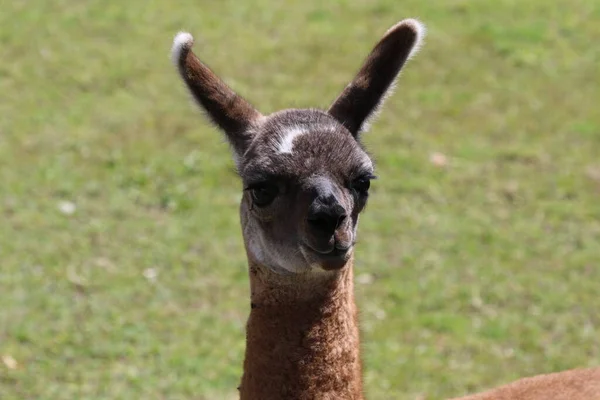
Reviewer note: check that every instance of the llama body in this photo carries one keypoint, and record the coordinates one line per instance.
(306, 179)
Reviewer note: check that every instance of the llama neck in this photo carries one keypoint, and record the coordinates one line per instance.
(302, 338)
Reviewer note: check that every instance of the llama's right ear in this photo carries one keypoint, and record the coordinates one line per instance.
(363, 96)
(225, 108)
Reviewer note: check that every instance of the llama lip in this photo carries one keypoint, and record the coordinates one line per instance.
(332, 248)
(332, 258)
(338, 252)
(336, 259)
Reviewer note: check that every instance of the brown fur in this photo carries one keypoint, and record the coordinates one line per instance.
(576, 384)
(228, 110)
(365, 93)
(302, 337)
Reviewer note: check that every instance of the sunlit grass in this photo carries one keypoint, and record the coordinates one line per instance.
(122, 270)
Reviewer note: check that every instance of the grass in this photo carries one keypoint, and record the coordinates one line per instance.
(121, 264)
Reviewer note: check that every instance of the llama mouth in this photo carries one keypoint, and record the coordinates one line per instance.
(331, 259)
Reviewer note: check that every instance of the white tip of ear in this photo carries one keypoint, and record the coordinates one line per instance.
(183, 42)
(417, 27)
(420, 30)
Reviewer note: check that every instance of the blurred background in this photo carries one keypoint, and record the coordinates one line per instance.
(122, 270)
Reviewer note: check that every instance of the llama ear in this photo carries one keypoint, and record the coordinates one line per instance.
(362, 97)
(225, 108)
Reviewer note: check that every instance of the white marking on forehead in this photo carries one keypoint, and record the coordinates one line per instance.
(288, 134)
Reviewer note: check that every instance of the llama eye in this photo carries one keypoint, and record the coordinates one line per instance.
(263, 194)
(361, 185)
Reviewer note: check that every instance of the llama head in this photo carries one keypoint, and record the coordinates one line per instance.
(305, 174)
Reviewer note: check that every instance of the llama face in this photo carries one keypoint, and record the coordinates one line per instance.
(306, 179)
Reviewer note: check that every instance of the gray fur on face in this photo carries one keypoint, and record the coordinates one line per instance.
(325, 158)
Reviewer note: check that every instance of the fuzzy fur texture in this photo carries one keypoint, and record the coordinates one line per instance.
(287, 137)
(183, 42)
(576, 384)
(302, 337)
(326, 152)
(225, 108)
(362, 98)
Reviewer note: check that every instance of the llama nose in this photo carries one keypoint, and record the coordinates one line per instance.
(326, 214)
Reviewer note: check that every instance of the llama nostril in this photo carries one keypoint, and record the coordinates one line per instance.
(327, 220)
(340, 220)
(321, 221)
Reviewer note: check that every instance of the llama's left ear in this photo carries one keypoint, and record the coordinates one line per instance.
(228, 110)
(361, 98)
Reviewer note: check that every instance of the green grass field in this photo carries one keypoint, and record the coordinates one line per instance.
(122, 271)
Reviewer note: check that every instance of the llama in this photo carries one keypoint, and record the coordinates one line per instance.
(306, 179)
